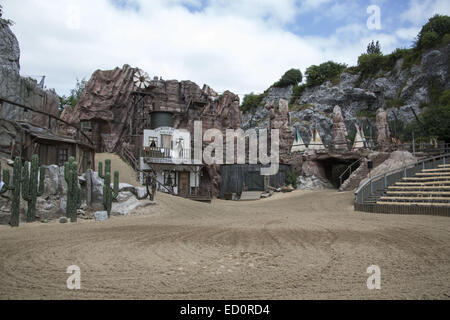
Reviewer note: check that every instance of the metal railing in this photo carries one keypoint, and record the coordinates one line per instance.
(349, 171)
(166, 153)
(382, 181)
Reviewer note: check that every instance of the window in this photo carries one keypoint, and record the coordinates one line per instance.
(152, 142)
(62, 156)
(86, 126)
(166, 141)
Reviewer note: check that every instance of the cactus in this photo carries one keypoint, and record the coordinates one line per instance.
(15, 188)
(110, 193)
(73, 190)
(107, 168)
(30, 189)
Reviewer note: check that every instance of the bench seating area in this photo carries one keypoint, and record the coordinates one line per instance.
(430, 187)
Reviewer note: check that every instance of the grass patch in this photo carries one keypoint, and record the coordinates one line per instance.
(394, 103)
(369, 114)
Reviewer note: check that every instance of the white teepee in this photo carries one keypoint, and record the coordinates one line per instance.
(316, 142)
(298, 145)
(360, 140)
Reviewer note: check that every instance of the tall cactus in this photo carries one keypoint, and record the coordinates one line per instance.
(30, 186)
(15, 188)
(107, 168)
(73, 191)
(110, 193)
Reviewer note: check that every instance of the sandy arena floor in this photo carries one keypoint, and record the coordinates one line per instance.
(303, 245)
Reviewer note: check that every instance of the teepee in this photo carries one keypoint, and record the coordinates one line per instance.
(316, 142)
(298, 145)
(360, 140)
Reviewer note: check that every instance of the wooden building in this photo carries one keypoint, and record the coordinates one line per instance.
(54, 149)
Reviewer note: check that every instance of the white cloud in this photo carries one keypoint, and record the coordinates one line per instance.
(242, 46)
(420, 11)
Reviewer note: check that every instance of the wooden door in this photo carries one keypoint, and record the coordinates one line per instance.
(184, 184)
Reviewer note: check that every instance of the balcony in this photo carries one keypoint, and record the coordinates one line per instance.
(167, 155)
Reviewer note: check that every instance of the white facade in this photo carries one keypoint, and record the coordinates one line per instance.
(170, 149)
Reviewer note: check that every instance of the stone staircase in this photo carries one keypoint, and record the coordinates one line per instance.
(428, 188)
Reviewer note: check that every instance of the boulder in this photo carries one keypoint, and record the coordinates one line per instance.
(124, 196)
(51, 181)
(100, 215)
(141, 193)
(124, 208)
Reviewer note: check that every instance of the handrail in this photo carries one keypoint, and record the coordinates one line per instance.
(348, 168)
(389, 173)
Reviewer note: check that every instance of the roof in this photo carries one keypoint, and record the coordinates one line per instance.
(44, 134)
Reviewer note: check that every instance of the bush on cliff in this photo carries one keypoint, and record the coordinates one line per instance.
(316, 75)
(251, 101)
(433, 32)
(291, 77)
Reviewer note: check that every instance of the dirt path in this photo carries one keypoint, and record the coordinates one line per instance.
(292, 246)
(126, 174)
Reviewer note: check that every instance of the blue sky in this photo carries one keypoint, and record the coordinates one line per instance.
(243, 46)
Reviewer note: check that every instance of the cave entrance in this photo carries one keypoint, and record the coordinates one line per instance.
(335, 167)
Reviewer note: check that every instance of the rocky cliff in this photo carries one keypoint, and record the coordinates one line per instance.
(18, 89)
(402, 92)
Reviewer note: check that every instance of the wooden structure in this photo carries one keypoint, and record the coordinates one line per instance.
(51, 147)
(247, 177)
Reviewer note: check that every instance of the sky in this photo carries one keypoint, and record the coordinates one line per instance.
(238, 45)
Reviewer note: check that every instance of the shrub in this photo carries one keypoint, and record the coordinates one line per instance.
(297, 92)
(435, 90)
(316, 75)
(251, 102)
(436, 120)
(291, 77)
(366, 114)
(370, 63)
(394, 103)
(444, 99)
(433, 31)
(291, 179)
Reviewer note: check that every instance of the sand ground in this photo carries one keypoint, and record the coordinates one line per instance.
(302, 245)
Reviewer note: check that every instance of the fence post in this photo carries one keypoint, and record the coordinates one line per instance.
(385, 181)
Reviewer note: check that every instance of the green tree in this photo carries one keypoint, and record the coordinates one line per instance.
(291, 77)
(374, 48)
(75, 95)
(433, 31)
(316, 75)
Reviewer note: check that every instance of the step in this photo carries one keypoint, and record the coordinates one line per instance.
(444, 166)
(447, 170)
(421, 187)
(420, 192)
(250, 195)
(426, 178)
(440, 183)
(417, 198)
(435, 174)
(423, 204)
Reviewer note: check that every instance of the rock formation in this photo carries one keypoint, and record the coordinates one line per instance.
(279, 119)
(383, 133)
(15, 88)
(339, 131)
(359, 97)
